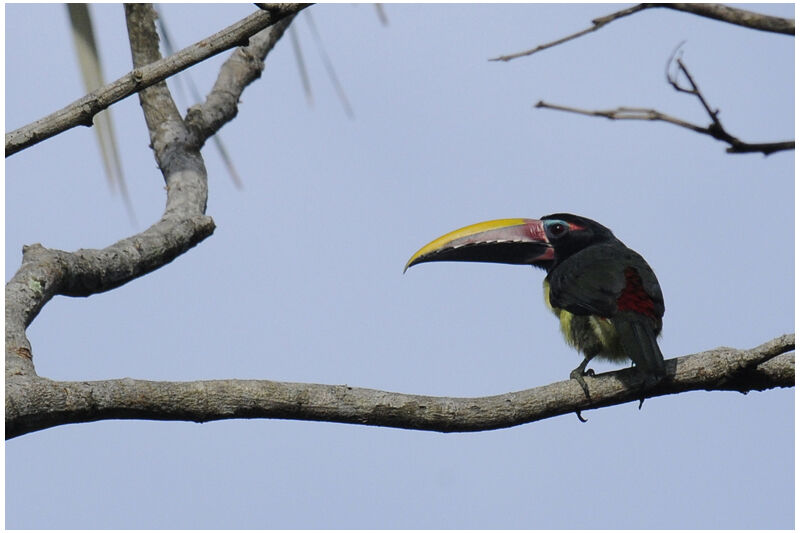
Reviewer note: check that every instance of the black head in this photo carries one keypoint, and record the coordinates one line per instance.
(568, 234)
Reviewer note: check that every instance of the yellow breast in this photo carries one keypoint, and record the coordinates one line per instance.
(601, 327)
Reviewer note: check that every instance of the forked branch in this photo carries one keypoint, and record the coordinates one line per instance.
(176, 143)
(715, 129)
(82, 111)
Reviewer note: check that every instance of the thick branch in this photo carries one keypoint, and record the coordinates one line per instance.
(35, 403)
(83, 110)
(160, 111)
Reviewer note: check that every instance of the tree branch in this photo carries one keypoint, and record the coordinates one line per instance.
(596, 25)
(83, 110)
(732, 15)
(739, 17)
(242, 68)
(639, 113)
(715, 129)
(37, 403)
(47, 272)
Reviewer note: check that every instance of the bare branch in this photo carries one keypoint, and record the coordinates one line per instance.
(187, 78)
(242, 68)
(739, 17)
(159, 108)
(596, 25)
(715, 129)
(47, 272)
(83, 110)
(623, 113)
(38, 403)
(732, 15)
(639, 113)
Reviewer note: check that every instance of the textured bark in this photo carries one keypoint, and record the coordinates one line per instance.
(241, 69)
(37, 403)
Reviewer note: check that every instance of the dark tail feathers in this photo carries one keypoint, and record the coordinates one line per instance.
(638, 339)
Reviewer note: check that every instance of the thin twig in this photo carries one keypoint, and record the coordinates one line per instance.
(596, 25)
(624, 113)
(640, 113)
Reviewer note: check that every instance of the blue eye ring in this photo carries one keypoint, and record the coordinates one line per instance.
(556, 228)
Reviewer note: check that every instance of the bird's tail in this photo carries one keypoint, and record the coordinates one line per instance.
(638, 338)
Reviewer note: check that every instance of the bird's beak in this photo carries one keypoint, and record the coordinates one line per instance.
(516, 241)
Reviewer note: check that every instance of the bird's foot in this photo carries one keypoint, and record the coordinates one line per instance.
(578, 375)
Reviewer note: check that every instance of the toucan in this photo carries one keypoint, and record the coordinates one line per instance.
(606, 297)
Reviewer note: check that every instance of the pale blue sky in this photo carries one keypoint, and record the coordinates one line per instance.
(302, 279)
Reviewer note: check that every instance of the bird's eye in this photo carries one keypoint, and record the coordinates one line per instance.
(557, 229)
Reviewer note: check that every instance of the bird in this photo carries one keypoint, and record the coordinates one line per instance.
(606, 297)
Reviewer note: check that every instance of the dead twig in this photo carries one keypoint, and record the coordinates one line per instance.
(715, 129)
(596, 25)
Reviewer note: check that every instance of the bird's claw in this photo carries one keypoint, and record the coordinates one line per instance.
(577, 375)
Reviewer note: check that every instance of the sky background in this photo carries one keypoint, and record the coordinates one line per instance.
(302, 280)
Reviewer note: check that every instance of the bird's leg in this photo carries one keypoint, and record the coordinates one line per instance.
(581, 371)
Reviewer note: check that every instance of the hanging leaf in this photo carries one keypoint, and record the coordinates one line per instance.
(92, 74)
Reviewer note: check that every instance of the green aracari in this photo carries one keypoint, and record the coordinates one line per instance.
(605, 295)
